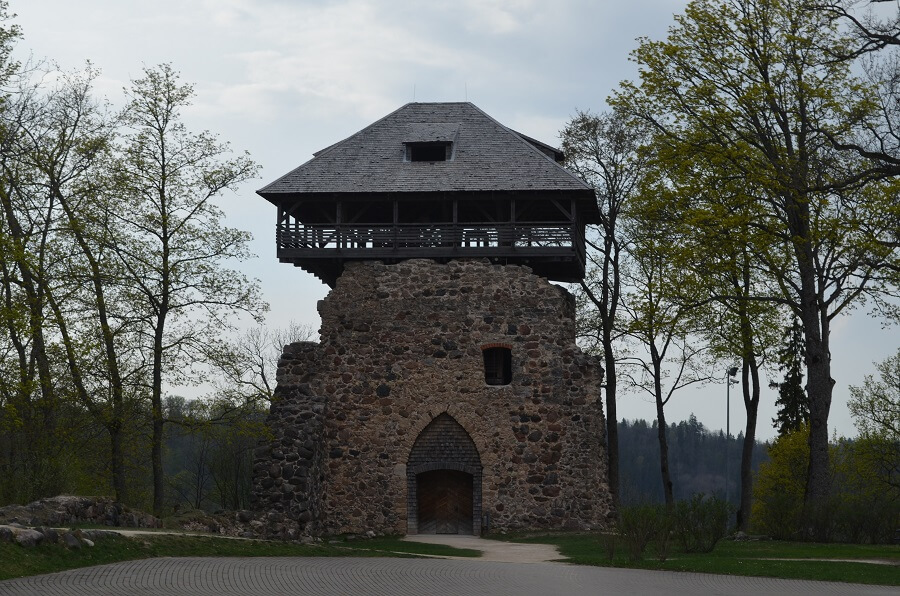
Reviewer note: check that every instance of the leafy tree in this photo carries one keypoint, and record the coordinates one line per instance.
(663, 327)
(865, 507)
(875, 408)
(745, 93)
(780, 486)
(177, 245)
(603, 151)
(718, 280)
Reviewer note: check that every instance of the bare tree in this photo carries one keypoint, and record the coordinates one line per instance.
(603, 151)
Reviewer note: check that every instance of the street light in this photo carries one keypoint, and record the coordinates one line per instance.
(728, 383)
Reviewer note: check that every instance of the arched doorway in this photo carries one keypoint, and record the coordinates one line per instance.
(443, 475)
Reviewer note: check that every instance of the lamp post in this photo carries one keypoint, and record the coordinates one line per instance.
(729, 381)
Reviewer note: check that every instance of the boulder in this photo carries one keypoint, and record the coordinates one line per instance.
(70, 541)
(28, 538)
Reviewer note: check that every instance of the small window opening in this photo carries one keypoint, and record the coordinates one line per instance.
(497, 366)
(428, 151)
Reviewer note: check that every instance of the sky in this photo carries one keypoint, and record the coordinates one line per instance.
(285, 78)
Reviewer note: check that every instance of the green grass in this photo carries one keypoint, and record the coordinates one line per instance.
(17, 561)
(753, 558)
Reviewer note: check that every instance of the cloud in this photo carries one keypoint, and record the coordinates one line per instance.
(500, 17)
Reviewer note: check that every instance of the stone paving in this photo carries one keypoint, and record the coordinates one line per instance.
(504, 569)
(378, 576)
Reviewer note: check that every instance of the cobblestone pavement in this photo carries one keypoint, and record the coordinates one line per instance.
(271, 576)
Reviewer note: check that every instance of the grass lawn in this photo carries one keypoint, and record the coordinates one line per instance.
(758, 558)
(17, 561)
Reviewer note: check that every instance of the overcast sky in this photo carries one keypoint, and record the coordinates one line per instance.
(284, 78)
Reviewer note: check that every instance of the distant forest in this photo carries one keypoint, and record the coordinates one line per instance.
(696, 461)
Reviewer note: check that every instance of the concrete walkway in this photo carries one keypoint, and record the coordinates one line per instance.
(493, 550)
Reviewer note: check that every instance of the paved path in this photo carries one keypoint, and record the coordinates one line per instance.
(493, 550)
(505, 569)
(272, 576)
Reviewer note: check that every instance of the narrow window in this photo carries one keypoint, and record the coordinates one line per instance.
(428, 151)
(497, 365)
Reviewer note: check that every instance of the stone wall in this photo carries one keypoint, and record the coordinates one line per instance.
(402, 344)
(68, 510)
(287, 470)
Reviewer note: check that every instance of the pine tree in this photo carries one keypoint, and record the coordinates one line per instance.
(792, 402)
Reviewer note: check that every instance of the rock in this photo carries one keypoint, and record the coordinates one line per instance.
(51, 536)
(29, 538)
(70, 541)
(66, 510)
(88, 542)
(6, 534)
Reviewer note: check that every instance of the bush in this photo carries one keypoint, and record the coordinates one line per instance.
(700, 523)
(663, 535)
(638, 524)
(861, 507)
(780, 486)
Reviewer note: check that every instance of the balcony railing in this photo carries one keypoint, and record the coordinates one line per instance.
(353, 237)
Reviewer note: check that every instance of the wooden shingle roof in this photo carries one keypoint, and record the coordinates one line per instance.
(486, 156)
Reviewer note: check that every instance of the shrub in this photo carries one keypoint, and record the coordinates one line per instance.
(780, 486)
(638, 524)
(700, 523)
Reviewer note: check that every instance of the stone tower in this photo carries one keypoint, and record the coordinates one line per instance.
(446, 393)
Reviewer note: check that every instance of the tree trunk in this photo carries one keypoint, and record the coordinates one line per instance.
(819, 387)
(751, 393)
(664, 452)
(814, 317)
(157, 420)
(612, 425)
(117, 463)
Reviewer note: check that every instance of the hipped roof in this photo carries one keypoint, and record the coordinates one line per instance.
(486, 156)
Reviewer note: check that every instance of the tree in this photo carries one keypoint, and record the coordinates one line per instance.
(719, 279)
(875, 408)
(603, 151)
(65, 146)
(177, 244)
(873, 33)
(662, 326)
(744, 90)
(245, 368)
(780, 485)
(740, 330)
(792, 402)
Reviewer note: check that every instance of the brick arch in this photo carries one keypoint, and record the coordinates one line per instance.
(464, 416)
(443, 445)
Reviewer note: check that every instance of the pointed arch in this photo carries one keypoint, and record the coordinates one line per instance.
(443, 473)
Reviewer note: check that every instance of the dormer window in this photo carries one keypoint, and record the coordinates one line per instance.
(433, 151)
(430, 141)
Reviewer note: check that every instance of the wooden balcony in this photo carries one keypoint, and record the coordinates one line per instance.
(553, 249)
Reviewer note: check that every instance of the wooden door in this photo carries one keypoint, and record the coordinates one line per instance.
(444, 502)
